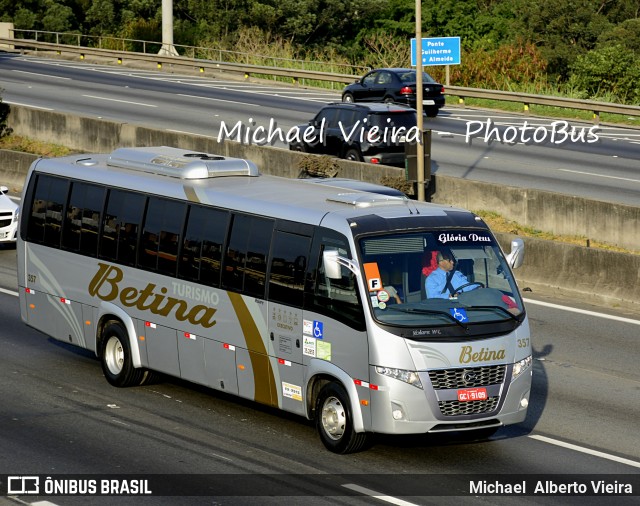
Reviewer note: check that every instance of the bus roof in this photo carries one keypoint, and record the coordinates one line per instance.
(230, 183)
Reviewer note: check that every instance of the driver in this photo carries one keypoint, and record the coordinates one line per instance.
(443, 282)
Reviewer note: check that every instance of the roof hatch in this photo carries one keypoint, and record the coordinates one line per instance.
(366, 199)
(180, 163)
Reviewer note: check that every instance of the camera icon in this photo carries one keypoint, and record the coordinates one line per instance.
(23, 485)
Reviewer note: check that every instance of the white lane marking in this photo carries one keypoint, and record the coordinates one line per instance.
(217, 100)
(577, 448)
(583, 311)
(121, 101)
(42, 75)
(377, 495)
(189, 133)
(8, 292)
(600, 175)
(539, 438)
(28, 105)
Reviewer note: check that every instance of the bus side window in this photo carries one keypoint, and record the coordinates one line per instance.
(337, 298)
(202, 245)
(82, 221)
(119, 242)
(289, 260)
(46, 212)
(245, 259)
(161, 235)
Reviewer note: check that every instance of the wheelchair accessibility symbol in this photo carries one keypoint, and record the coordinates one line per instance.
(318, 332)
(459, 314)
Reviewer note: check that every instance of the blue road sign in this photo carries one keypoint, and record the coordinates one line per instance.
(437, 51)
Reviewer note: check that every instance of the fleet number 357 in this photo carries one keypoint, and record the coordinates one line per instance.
(523, 343)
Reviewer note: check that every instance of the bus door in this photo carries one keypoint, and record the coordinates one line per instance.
(288, 265)
(285, 335)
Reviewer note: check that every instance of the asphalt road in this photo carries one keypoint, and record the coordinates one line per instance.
(61, 418)
(474, 144)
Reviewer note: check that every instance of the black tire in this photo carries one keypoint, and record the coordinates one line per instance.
(353, 155)
(431, 112)
(334, 421)
(115, 357)
(388, 100)
(297, 147)
(348, 97)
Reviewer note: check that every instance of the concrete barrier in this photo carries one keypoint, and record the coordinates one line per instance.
(13, 168)
(615, 224)
(593, 275)
(601, 276)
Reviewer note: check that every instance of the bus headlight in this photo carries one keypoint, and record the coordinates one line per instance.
(16, 216)
(410, 377)
(520, 367)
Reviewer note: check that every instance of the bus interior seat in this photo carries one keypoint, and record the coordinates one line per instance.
(465, 266)
(429, 264)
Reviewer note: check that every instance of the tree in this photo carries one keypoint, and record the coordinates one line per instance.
(5, 109)
(58, 18)
(611, 70)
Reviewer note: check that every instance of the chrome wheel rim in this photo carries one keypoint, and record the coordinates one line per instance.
(114, 355)
(334, 419)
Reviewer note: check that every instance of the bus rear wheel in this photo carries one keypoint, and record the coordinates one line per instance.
(334, 421)
(115, 357)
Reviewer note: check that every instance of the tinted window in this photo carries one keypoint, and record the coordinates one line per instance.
(202, 246)
(82, 221)
(385, 78)
(369, 79)
(121, 225)
(329, 115)
(49, 199)
(337, 298)
(348, 116)
(390, 120)
(245, 262)
(410, 77)
(288, 265)
(161, 235)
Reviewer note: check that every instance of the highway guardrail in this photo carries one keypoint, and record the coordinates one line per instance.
(296, 74)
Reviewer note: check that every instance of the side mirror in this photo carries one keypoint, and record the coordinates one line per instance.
(330, 263)
(516, 257)
(4, 189)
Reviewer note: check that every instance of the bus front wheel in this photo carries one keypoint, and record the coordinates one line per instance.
(334, 421)
(115, 357)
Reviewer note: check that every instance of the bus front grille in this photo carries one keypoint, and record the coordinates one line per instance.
(457, 408)
(467, 377)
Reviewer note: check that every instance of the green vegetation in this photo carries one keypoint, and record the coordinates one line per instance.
(588, 49)
(498, 223)
(26, 145)
(4, 114)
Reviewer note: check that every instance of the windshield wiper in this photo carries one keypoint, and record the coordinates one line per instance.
(510, 315)
(395, 307)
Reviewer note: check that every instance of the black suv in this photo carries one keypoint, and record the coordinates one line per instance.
(374, 133)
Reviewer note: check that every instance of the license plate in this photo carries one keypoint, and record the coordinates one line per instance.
(472, 394)
(428, 102)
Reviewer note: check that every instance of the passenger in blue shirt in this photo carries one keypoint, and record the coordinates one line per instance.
(436, 283)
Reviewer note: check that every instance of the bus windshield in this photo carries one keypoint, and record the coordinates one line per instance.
(433, 278)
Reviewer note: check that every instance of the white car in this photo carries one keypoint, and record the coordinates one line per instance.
(9, 215)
